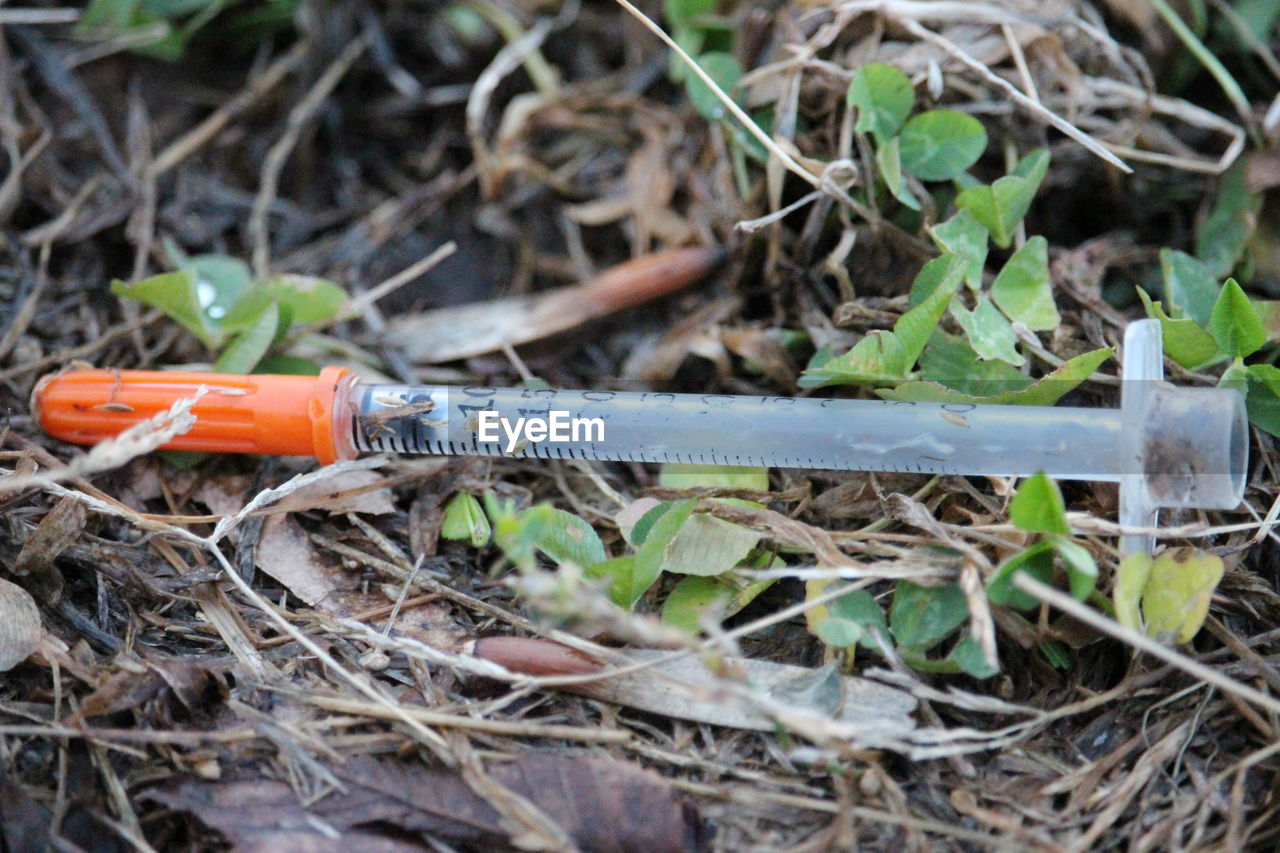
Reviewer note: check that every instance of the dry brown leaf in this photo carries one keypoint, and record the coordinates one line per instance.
(19, 625)
(287, 554)
(602, 805)
(133, 683)
(351, 491)
(263, 816)
(763, 352)
(52, 535)
(696, 335)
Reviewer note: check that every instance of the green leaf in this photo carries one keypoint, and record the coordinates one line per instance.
(877, 359)
(1268, 375)
(936, 283)
(889, 164)
(1263, 399)
(220, 282)
(951, 361)
(1176, 598)
(941, 144)
(1038, 507)
(1045, 392)
(678, 475)
(176, 294)
(464, 520)
(859, 609)
(989, 332)
(1056, 653)
(1032, 168)
(1234, 324)
(1185, 340)
(725, 71)
(566, 538)
(1190, 287)
(923, 616)
(965, 236)
(1022, 289)
(884, 97)
(1235, 376)
(289, 365)
(107, 14)
(840, 633)
(150, 27)
(1082, 571)
(686, 13)
(518, 534)
(306, 299)
(1037, 561)
(652, 554)
(247, 349)
(859, 606)
(692, 597)
(1223, 236)
(883, 358)
(619, 575)
(640, 531)
(184, 460)
(970, 658)
(1002, 205)
(938, 274)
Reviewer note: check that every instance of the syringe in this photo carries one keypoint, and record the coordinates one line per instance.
(1168, 446)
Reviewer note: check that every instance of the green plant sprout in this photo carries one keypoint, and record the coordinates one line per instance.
(163, 28)
(216, 299)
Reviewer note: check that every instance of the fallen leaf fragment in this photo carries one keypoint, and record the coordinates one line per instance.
(58, 529)
(19, 625)
(447, 334)
(133, 683)
(602, 805)
(689, 689)
(287, 554)
(351, 491)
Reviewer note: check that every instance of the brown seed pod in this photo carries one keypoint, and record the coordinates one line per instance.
(530, 656)
(19, 625)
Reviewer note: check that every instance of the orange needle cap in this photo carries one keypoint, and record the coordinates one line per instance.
(285, 415)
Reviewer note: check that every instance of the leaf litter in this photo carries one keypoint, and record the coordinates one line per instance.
(240, 652)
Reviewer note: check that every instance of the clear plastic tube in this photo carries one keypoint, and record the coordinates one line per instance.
(1187, 444)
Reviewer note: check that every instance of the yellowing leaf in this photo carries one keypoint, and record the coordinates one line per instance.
(1176, 599)
(1131, 579)
(706, 546)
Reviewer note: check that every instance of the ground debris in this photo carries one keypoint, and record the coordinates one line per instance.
(602, 804)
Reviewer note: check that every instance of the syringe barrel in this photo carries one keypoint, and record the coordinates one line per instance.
(866, 435)
(1178, 447)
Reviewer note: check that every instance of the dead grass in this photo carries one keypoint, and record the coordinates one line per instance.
(248, 623)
